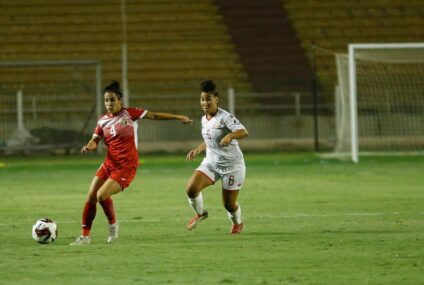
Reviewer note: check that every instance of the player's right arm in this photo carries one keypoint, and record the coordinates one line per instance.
(166, 116)
(91, 145)
(192, 154)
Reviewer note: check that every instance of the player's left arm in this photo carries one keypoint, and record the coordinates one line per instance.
(166, 116)
(237, 134)
(238, 131)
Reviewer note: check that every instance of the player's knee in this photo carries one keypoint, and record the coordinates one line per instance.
(101, 196)
(230, 206)
(92, 198)
(192, 191)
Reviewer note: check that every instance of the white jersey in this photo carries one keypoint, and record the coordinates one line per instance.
(213, 130)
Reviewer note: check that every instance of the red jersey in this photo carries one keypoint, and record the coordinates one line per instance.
(119, 133)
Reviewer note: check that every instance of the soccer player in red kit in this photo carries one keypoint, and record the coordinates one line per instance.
(118, 129)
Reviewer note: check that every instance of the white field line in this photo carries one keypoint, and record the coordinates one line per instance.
(222, 217)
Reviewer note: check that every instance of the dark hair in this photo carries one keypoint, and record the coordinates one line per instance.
(209, 86)
(114, 87)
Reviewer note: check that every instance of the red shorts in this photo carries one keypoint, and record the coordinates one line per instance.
(124, 176)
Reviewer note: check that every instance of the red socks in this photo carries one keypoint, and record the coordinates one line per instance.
(88, 215)
(109, 210)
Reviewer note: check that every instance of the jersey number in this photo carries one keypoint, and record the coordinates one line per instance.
(113, 130)
(231, 180)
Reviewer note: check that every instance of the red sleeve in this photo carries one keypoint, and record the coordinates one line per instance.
(98, 131)
(136, 113)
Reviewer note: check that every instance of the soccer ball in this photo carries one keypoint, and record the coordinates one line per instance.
(44, 231)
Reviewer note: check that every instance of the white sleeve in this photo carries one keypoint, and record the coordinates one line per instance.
(232, 123)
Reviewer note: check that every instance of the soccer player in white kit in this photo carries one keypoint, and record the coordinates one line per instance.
(224, 159)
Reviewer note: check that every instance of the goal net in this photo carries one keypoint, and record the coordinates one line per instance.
(47, 104)
(380, 99)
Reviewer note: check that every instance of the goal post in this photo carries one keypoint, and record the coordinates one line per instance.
(380, 99)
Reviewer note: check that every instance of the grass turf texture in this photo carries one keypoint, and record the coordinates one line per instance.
(307, 221)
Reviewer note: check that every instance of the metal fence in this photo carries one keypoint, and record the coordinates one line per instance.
(63, 122)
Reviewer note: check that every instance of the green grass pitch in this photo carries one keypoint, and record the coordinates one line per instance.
(307, 221)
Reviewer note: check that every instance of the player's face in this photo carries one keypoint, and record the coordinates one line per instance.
(208, 102)
(112, 103)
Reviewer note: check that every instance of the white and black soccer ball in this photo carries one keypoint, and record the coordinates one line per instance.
(44, 231)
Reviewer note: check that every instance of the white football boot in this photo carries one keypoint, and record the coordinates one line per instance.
(82, 240)
(113, 232)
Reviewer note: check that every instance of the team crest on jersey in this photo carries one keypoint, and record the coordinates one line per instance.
(124, 122)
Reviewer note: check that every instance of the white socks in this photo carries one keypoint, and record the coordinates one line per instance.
(235, 217)
(197, 204)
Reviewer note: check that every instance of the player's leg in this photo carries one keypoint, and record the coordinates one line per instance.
(229, 200)
(197, 182)
(89, 211)
(231, 185)
(109, 188)
(119, 180)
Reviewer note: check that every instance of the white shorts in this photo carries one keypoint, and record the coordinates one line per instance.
(232, 177)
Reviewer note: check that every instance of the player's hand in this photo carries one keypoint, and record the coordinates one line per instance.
(225, 141)
(186, 120)
(192, 154)
(84, 149)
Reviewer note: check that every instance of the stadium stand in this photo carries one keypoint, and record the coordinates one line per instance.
(259, 46)
(267, 45)
(172, 45)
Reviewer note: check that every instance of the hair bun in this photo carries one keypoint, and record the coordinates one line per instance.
(115, 84)
(208, 86)
(115, 88)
